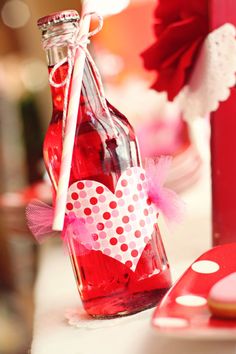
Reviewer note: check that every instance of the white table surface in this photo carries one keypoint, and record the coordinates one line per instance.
(56, 292)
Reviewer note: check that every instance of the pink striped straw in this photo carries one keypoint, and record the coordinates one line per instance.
(71, 122)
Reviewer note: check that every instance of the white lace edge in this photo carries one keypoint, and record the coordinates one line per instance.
(213, 74)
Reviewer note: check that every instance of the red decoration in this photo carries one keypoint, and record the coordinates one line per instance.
(223, 146)
(184, 312)
(180, 28)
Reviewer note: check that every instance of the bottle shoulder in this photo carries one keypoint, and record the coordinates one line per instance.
(96, 121)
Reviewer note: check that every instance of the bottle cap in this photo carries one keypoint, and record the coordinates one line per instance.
(58, 17)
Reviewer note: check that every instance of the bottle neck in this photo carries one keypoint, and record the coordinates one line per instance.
(55, 39)
(90, 95)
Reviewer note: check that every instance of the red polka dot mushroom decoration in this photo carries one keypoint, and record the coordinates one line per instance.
(203, 301)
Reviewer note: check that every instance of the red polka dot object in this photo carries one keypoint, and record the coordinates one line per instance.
(74, 196)
(202, 303)
(106, 215)
(124, 219)
(113, 241)
(124, 247)
(93, 201)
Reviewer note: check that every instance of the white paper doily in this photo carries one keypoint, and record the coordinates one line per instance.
(78, 318)
(213, 75)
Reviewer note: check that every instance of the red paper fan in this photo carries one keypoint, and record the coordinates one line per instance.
(181, 27)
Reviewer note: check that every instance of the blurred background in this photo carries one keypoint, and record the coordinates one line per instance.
(25, 110)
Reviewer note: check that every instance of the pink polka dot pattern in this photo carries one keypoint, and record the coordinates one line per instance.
(125, 219)
(104, 243)
(121, 239)
(102, 198)
(88, 183)
(121, 224)
(95, 209)
(109, 224)
(89, 219)
(82, 194)
(115, 213)
(142, 223)
(77, 205)
(130, 208)
(119, 194)
(88, 246)
(142, 195)
(97, 245)
(127, 191)
(124, 183)
(139, 187)
(102, 235)
(121, 202)
(132, 244)
(128, 228)
(107, 251)
(142, 176)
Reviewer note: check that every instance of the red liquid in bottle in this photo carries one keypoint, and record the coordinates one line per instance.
(107, 287)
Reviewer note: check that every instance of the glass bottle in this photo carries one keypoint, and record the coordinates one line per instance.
(103, 151)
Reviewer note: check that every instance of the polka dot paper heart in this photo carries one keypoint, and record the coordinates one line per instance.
(121, 224)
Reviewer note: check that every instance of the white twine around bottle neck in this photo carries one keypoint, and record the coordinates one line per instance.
(73, 43)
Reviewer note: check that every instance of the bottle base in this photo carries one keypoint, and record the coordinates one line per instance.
(123, 304)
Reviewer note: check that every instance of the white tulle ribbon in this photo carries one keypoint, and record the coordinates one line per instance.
(213, 74)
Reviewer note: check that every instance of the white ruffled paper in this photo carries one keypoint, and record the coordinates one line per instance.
(78, 318)
(213, 75)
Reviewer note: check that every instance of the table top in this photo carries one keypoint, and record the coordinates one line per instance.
(56, 296)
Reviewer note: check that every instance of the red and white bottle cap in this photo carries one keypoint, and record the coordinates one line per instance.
(58, 17)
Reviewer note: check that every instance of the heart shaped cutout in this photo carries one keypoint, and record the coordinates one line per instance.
(121, 224)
